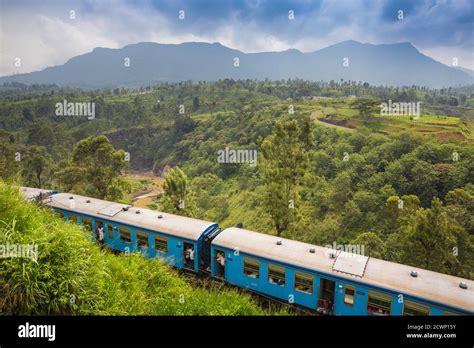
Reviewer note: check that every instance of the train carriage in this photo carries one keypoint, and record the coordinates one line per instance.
(336, 282)
(129, 229)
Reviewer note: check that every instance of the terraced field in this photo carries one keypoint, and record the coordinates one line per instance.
(340, 114)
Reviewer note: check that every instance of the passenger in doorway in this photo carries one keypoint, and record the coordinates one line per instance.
(323, 307)
(331, 308)
(221, 259)
(191, 254)
(100, 233)
(186, 254)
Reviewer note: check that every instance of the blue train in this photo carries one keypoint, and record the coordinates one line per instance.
(328, 281)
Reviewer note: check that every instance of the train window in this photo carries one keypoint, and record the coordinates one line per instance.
(125, 235)
(349, 292)
(251, 267)
(412, 308)
(161, 244)
(72, 217)
(276, 275)
(142, 239)
(59, 213)
(110, 231)
(304, 282)
(87, 223)
(378, 304)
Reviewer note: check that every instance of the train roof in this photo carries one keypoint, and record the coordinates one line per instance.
(31, 193)
(168, 223)
(437, 287)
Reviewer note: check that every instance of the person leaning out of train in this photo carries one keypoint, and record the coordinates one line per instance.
(100, 234)
(221, 259)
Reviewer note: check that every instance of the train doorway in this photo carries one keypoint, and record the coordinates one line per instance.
(189, 254)
(326, 297)
(219, 264)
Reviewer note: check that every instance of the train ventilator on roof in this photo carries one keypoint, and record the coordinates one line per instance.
(111, 209)
(350, 263)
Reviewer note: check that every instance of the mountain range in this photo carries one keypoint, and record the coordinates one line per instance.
(399, 64)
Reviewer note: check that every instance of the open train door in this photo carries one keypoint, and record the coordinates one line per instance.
(326, 296)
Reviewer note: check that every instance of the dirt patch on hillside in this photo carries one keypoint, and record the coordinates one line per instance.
(148, 191)
(345, 124)
(451, 135)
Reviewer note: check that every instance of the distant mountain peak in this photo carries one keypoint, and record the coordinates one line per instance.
(350, 42)
(150, 62)
(404, 45)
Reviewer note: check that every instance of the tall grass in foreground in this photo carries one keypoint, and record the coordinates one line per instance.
(73, 276)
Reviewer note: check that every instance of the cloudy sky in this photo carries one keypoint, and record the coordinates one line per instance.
(44, 33)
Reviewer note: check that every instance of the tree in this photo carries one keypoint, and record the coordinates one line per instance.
(36, 165)
(284, 165)
(460, 206)
(182, 125)
(196, 103)
(373, 245)
(139, 113)
(9, 160)
(366, 106)
(28, 114)
(178, 198)
(341, 190)
(428, 240)
(42, 134)
(95, 169)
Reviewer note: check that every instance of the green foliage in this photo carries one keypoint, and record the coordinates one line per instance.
(36, 166)
(366, 106)
(286, 160)
(374, 246)
(9, 166)
(94, 169)
(431, 239)
(460, 205)
(73, 276)
(177, 198)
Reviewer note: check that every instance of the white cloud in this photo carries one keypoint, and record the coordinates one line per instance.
(447, 55)
(44, 36)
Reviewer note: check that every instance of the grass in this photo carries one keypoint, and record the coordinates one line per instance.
(73, 276)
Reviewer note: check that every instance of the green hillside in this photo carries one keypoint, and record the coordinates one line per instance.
(330, 169)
